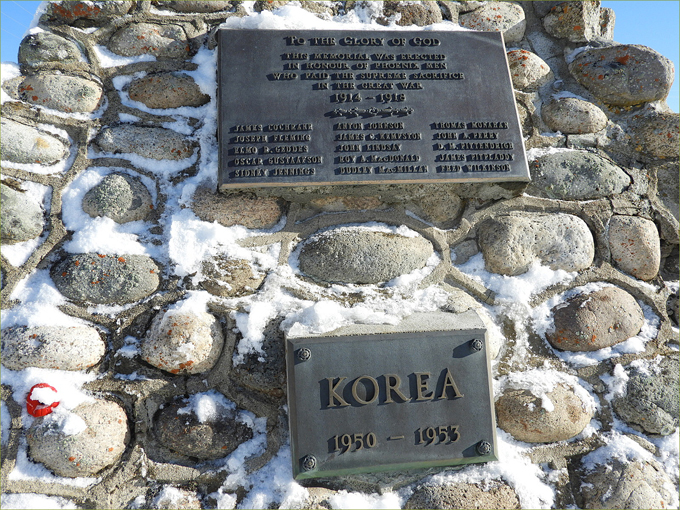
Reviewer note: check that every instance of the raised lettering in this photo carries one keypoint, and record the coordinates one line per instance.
(392, 384)
(355, 385)
(448, 383)
(421, 387)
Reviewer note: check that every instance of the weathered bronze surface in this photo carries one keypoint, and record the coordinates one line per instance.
(391, 401)
(317, 107)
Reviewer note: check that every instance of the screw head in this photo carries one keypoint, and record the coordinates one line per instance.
(476, 345)
(309, 462)
(304, 354)
(484, 448)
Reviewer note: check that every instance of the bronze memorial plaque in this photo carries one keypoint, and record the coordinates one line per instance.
(319, 107)
(390, 401)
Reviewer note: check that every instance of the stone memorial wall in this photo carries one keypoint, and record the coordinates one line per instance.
(145, 315)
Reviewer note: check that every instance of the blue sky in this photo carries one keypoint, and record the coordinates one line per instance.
(651, 23)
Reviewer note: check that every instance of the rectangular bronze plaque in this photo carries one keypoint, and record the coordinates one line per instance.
(315, 107)
(389, 401)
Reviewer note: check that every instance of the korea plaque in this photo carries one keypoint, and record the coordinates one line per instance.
(391, 401)
(322, 107)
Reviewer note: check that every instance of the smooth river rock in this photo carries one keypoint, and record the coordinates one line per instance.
(624, 75)
(417, 13)
(183, 342)
(167, 90)
(69, 94)
(44, 47)
(577, 175)
(25, 144)
(521, 413)
(21, 216)
(635, 246)
(162, 41)
(657, 135)
(106, 279)
(527, 70)
(511, 244)
(53, 347)
(230, 277)
(86, 452)
(490, 494)
(352, 255)
(570, 115)
(239, 209)
(588, 322)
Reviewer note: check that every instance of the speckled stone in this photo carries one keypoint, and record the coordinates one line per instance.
(69, 94)
(167, 90)
(230, 277)
(44, 47)
(84, 454)
(629, 484)
(624, 74)
(657, 135)
(503, 17)
(162, 41)
(85, 14)
(418, 13)
(527, 70)
(239, 209)
(119, 197)
(21, 216)
(570, 115)
(25, 144)
(668, 187)
(512, 243)
(491, 494)
(651, 400)
(214, 438)
(607, 23)
(353, 255)
(195, 6)
(53, 347)
(574, 21)
(635, 246)
(593, 321)
(577, 175)
(148, 142)
(183, 342)
(521, 414)
(105, 279)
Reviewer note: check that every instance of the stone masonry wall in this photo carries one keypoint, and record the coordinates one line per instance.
(174, 349)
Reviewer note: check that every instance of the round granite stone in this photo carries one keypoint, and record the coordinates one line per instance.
(624, 74)
(53, 441)
(589, 322)
(635, 246)
(512, 243)
(527, 70)
(148, 142)
(21, 216)
(577, 175)
(570, 115)
(25, 144)
(196, 6)
(183, 342)
(354, 255)
(62, 92)
(651, 400)
(85, 14)
(503, 17)
(524, 416)
(230, 277)
(53, 347)
(167, 90)
(162, 41)
(45, 47)
(119, 197)
(106, 279)
(491, 494)
(181, 429)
